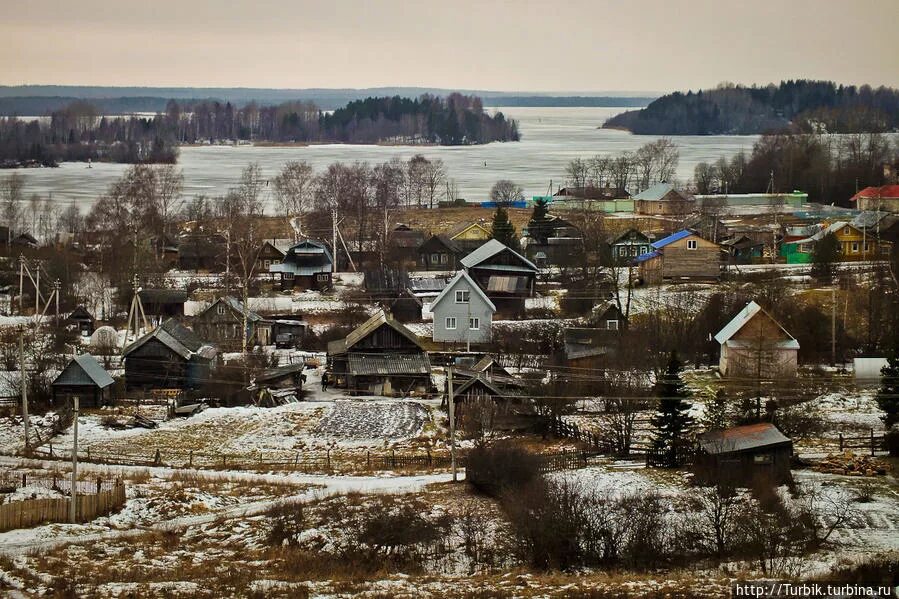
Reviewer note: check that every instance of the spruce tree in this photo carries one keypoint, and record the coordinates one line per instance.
(888, 396)
(671, 422)
(825, 255)
(538, 227)
(503, 230)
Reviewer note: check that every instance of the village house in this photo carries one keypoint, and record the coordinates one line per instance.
(744, 456)
(601, 199)
(306, 265)
(681, 255)
(84, 378)
(505, 276)
(403, 243)
(470, 236)
(439, 252)
(629, 245)
(878, 199)
(663, 199)
(754, 344)
(380, 357)
(488, 368)
(482, 406)
(170, 357)
(222, 323)
(82, 321)
(854, 244)
(462, 312)
(558, 243)
(162, 303)
(742, 249)
(272, 252)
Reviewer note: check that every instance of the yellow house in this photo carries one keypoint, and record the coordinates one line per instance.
(855, 244)
(470, 232)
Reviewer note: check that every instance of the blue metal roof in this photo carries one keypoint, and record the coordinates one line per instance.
(671, 238)
(649, 256)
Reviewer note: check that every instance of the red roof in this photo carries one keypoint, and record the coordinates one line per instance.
(887, 191)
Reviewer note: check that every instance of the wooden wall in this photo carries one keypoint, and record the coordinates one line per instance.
(32, 512)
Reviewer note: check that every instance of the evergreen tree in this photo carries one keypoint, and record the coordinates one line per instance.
(671, 422)
(503, 230)
(717, 413)
(538, 227)
(888, 396)
(825, 255)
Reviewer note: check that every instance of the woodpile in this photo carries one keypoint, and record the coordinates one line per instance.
(851, 464)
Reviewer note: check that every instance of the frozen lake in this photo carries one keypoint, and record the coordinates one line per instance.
(551, 137)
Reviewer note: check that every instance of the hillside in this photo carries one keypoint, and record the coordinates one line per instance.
(802, 105)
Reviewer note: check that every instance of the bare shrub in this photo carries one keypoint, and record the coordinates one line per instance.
(286, 521)
(401, 534)
(496, 468)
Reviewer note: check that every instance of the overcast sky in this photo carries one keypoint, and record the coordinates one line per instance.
(590, 45)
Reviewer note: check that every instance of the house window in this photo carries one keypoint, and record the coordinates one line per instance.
(444, 258)
(761, 458)
(633, 250)
(462, 296)
(266, 263)
(846, 231)
(450, 323)
(805, 248)
(642, 249)
(474, 324)
(288, 276)
(691, 244)
(435, 258)
(867, 247)
(220, 309)
(612, 325)
(854, 247)
(321, 277)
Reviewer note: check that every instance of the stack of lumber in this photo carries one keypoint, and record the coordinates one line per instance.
(852, 464)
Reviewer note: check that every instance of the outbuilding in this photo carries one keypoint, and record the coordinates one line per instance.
(744, 455)
(84, 378)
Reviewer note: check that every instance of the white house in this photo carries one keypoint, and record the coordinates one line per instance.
(462, 312)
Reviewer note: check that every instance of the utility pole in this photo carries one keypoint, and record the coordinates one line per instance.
(21, 281)
(23, 383)
(56, 285)
(833, 326)
(452, 420)
(73, 511)
(334, 238)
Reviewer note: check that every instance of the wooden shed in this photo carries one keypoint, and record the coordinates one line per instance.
(743, 455)
(84, 378)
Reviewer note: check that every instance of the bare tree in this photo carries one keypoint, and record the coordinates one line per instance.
(294, 188)
(169, 183)
(505, 192)
(434, 176)
(577, 172)
(11, 194)
(415, 180)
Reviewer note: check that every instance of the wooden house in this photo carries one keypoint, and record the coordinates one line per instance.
(681, 255)
(664, 200)
(629, 245)
(482, 406)
(743, 456)
(554, 241)
(754, 344)
(306, 265)
(82, 321)
(462, 312)
(489, 368)
(272, 252)
(853, 240)
(472, 234)
(439, 252)
(742, 249)
(222, 323)
(170, 357)
(83, 377)
(163, 303)
(878, 199)
(507, 277)
(380, 357)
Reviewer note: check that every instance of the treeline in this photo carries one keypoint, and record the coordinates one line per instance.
(77, 132)
(800, 106)
(830, 169)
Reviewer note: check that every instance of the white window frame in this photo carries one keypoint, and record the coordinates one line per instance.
(444, 258)
(435, 258)
(321, 277)
(288, 276)
(474, 323)
(692, 244)
(220, 309)
(854, 247)
(643, 250)
(450, 323)
(612, 325)
(463, 296)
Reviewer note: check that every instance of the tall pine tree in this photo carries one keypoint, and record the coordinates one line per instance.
(672, 421)
(538, 227)
(503, 230)
(888, 396)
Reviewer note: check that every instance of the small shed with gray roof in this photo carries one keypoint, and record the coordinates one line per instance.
(744, 455)
(84, 378)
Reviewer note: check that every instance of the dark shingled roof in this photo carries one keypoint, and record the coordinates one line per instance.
(363, 364)
(177, 338)
(83, 370)
(162, 296)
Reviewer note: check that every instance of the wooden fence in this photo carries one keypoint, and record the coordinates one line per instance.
(872, 442)
(32, 512)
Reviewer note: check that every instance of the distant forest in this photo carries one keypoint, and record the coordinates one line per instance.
(801, 106)
(79, 132)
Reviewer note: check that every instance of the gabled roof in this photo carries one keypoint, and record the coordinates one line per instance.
(462, 227)
(177, 338)
(479, 379)
(392, 363)
(445, 241)
(884, 192)
(659, 191)
(742, 438)
(84, 370)
(282, 244)
(490, 249)
(235, 305)
(628, 234)
(367, 328)
(80, 313)
(743, 317)
(833, 228)
(672, 238)
(450, 287)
